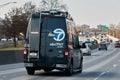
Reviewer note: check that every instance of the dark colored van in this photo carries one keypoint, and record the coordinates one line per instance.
(52, 43)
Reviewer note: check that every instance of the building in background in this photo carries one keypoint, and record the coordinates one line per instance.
(83, 28)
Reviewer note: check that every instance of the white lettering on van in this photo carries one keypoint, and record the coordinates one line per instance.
(58, 45)
(51, 34)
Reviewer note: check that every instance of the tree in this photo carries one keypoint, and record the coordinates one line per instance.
(52, 5)
(16, 20)
(28, 9)
(9, 24)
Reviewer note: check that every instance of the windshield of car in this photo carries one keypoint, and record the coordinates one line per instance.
(83, 45)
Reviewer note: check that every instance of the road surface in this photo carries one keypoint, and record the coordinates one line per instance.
(101, 65)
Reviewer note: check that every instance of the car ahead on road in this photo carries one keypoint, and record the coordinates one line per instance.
(85, 49)
(102, 46)
(117, 44)
(92, 44)
(4, 40)
(52, 43)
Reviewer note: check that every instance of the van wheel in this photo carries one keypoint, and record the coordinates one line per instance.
(69, 71)
(48, 70)
(30, 70)
(81, 67)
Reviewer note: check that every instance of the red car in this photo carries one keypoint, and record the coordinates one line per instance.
(117, 44)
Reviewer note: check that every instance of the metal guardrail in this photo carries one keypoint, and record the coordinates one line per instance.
(9, 43)
(5, 43)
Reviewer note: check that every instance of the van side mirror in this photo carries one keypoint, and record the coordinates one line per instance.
(26, 40)
(76, 44)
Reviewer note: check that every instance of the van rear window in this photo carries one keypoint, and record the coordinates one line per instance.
(35, 24)
(34, 37)
(50, 23)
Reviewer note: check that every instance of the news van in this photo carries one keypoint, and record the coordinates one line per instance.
(52, 43)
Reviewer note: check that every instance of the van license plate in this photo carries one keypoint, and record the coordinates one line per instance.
(61, 65)
(28, 64)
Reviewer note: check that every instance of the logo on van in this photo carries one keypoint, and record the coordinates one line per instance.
(59, 34)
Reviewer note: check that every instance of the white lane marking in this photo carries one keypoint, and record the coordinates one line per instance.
(11, 71)
(100, 75)
(114, 65)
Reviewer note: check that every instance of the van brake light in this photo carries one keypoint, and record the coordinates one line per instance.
(25, 52)
(66, 53)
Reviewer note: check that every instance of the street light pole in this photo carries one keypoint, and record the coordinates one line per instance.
(6, 4)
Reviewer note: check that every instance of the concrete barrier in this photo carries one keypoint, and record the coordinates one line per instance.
(11, 56)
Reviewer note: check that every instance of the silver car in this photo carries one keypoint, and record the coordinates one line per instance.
(85, 48)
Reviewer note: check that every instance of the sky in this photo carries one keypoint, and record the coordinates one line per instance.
(90, 12)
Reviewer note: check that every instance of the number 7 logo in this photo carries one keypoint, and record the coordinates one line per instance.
(59, 34)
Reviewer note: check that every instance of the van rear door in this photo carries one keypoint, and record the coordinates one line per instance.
(34, 35)
(53, 38)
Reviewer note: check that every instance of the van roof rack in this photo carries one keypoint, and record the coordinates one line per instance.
(55, 12)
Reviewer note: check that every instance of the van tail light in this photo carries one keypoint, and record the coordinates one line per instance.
(66, 53)
(25, 52)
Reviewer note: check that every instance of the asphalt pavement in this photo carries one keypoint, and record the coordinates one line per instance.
(101, 65)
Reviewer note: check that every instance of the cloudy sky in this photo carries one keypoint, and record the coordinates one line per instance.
(91, 12)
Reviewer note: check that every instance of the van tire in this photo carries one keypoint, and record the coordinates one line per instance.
(69, 71)
(81, 66)
(99, 49)
(106, 49)
(30, 70)
(48, 70)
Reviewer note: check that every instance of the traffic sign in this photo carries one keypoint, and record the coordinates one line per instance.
(105, 28)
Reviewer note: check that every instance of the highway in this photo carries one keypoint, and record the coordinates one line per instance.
(101, 65)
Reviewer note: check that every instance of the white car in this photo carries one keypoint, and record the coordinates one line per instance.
(85, 49)
(4, 39)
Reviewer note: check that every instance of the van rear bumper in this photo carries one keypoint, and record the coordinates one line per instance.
(42, 65)
(61, 66)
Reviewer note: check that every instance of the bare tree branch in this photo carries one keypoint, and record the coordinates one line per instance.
(52, 5)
